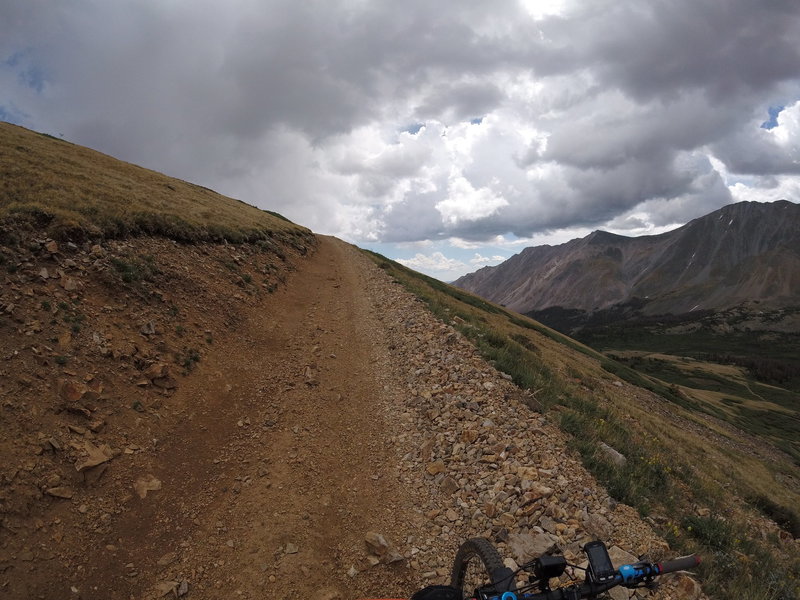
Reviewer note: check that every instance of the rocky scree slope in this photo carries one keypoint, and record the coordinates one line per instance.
(483, 464)
(742, 252)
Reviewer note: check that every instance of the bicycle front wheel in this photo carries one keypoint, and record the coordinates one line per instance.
(478, 569)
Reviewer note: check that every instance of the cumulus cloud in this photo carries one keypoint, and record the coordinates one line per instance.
(436, 262)
(482, 261)
(465, 203)
(401, 122)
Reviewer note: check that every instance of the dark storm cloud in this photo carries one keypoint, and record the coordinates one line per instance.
(460, 101)
(299, 106)
(198, 72)
(655, 49)
(617, 131)
(756, 152)
(690, 73)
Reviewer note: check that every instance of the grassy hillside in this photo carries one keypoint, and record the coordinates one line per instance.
(730, 393)
(740, 365)
(71, 192)
(704, 485)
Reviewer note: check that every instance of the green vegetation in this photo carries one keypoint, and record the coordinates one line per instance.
(668, 470)
(782, 428)
(136, 269)
(528, 323)
(654, 385)
(734, 565)
(645, 474)
(71, 316)
(188, 358)
(712, 532)
(770, 412)
(725, 338)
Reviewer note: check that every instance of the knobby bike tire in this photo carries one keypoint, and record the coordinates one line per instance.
(477, 565)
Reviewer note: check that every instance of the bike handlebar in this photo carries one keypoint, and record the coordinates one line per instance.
(636, 573)
(627, 575)
(679, 564)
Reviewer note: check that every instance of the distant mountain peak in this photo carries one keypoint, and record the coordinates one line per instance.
(598, 236)
(748, 251)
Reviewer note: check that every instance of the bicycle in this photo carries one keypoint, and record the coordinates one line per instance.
(479, 574)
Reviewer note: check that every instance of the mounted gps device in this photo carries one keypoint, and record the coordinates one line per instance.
(600, 568)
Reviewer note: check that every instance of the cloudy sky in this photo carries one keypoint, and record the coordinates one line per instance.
(449, 134)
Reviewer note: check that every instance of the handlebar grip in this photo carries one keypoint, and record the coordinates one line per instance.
(679, 564)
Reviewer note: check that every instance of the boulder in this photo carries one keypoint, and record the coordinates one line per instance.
(616, 458)
(527, 546)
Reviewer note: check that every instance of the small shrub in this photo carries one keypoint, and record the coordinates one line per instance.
(573, 423)
(713, 532)
(525, 342)
(230, 265)
(135, 270)
(188, 358)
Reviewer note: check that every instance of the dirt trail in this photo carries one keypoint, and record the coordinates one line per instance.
(281, 466)
(334, 406)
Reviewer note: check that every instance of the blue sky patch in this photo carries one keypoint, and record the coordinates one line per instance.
(11, 114)
(773, 111)
(476, 121)
(414, 129)
(28, 73)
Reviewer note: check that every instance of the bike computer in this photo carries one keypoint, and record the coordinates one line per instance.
(600, 568)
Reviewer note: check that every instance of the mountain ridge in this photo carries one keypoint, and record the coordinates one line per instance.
(742, 252)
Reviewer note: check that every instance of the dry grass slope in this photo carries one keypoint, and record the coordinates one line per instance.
(76, 193)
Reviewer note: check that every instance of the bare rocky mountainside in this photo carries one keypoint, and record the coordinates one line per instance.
(743, 252)
(202, 400)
